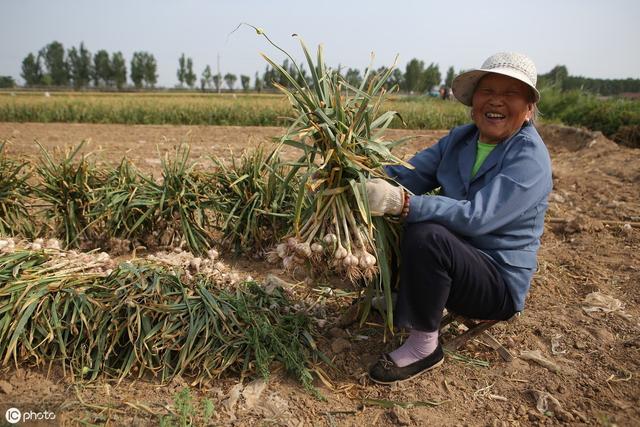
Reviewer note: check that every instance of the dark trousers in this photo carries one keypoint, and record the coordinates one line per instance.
(439, 269)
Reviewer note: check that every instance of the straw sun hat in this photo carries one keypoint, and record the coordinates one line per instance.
(511, 64)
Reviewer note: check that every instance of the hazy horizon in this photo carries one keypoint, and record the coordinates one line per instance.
(591, 38)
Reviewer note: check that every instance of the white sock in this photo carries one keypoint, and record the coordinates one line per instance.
(419, 345)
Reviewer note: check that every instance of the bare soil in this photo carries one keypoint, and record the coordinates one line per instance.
(591, 245)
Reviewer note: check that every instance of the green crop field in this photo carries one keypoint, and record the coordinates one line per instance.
(197, 109)
(616, 118)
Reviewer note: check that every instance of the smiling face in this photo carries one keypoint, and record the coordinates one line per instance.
(500, 106)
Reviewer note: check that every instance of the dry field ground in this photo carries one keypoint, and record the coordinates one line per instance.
(591, 247)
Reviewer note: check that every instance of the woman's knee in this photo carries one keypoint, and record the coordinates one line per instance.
(423, 236)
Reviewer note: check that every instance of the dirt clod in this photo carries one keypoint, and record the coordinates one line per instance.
(399, 416)
(5, 387)
(340, 345)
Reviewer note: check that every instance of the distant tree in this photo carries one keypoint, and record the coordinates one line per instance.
(269, 77)
(137, 69)
(258, 83)
(293, 72)
(278, 77)
(31, 70)
(379, 74)
(150, 70)
(451, 74)
(74, 59)
(182, 69)
(207, 79)
(298, 73)
(413, 75)
(397, 79)
(432, 77)
(190, 76)
(230, 80)
(353, 77)
(217, 82)
(46, 80)
(7, 82)
(102, 72)
(558, 76)
(55, 63)
(80, 66)
(118, 70)
(245, 82)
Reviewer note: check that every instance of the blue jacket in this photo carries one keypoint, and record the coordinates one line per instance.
(499, 211)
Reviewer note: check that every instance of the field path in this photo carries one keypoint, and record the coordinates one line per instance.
(142, 143)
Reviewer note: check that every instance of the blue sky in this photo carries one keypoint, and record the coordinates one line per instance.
(593, 38)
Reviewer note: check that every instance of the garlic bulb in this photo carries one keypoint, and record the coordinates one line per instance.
(340, 252)
(330, 239)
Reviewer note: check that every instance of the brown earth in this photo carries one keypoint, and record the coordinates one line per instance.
(591, 244)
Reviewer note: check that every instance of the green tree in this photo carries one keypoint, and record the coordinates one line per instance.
(182, 69)
(118, 70)
(258, 83)
(353, 77)
(413, 76)
(7, 82)
(230, 80)
(432, 77)
(150, 70)
(245, 82)
(379, 72)
(269, 77)
(206, 80)
(137, 69)
(190, 76)
(31, 70)
(451, 74)
(558, 76)
(280, 78)
(397, 79)
(102, 73)
(217, 81)
(55, 63)
(74, 68)
(80, 66)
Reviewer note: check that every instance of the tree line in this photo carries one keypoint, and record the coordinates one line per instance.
(559, 78)
(78, 68)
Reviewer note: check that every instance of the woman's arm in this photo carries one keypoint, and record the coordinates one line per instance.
(422, 178)
(522, 183)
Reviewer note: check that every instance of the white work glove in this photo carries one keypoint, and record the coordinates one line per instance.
(384, 198)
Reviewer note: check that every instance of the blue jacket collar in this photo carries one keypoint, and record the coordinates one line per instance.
(468, 155)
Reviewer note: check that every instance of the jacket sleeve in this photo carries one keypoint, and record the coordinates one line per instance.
(422, 178)
(521, 184)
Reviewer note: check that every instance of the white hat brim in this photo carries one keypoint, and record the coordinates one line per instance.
(465, 84)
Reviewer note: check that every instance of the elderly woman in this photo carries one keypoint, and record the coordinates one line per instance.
(472, 248)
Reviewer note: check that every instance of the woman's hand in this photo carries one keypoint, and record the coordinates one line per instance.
(384, 198)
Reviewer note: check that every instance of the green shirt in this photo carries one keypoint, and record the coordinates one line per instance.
(482, 152)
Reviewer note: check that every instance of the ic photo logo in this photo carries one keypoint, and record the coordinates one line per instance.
(13, 415)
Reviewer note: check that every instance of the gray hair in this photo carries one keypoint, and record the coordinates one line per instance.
(535, 114)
